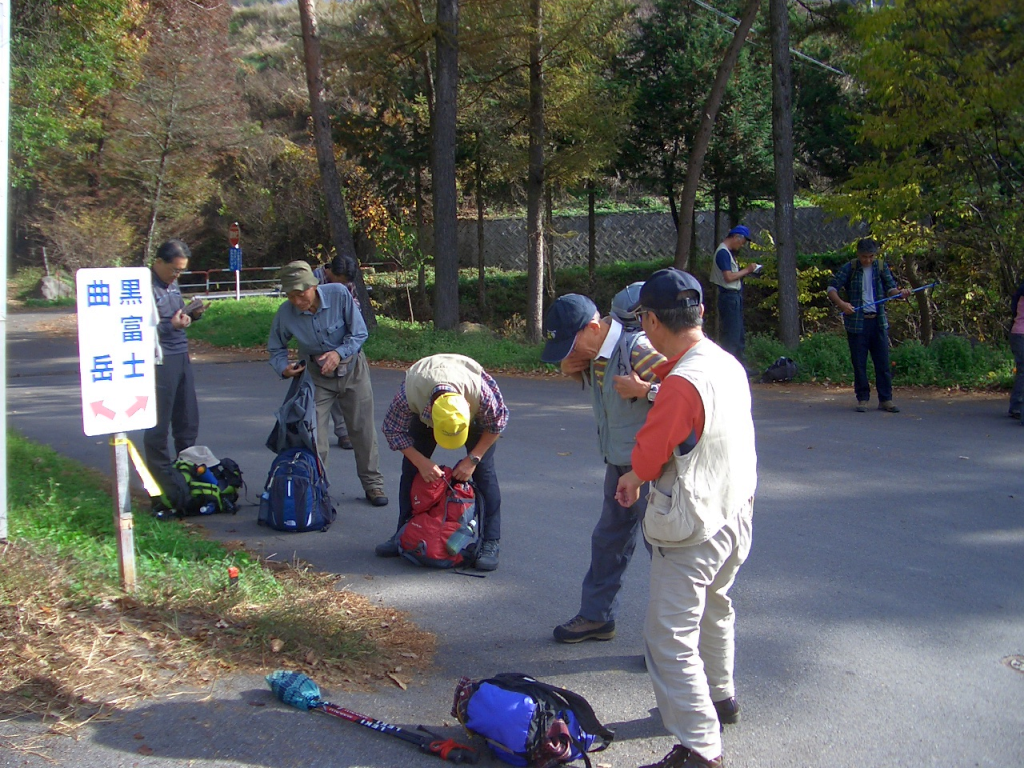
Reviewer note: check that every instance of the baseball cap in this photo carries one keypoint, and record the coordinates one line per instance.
(450, 414)
(671, 289)
(867, 245)
(297, 276)
(565, 318)
(740, 230)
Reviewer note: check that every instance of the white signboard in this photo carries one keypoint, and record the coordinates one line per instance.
(116, 348)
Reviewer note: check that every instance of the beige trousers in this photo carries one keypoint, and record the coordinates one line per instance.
(353, 393)
(689, 633)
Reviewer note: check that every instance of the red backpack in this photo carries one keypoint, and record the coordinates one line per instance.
(443, 531)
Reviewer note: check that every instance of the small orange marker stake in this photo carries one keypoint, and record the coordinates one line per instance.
(232, 576)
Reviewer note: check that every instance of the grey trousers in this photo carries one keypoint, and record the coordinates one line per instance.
(611, 548)
(355, 396)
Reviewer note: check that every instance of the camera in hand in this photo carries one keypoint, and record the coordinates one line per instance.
(194, 308)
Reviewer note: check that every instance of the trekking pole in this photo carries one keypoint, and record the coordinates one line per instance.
(890, 298)
(299, 691)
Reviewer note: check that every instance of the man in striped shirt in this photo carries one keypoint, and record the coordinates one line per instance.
(589, 348)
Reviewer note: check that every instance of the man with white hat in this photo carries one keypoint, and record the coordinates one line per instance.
(449, 401)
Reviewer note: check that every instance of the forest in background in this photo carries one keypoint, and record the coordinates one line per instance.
(136, 120)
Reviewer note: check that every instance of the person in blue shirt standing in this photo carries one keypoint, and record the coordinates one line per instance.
(727, 275)
(330, 332)
(866, 282)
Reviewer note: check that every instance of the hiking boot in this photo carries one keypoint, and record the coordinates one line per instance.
(1014, 415)
(862, 406)
(376, 497)
(682, 757)
(345, 443)
(577, 629)
(728, 711)
(487, 557)
(886, 405)
(388, 549)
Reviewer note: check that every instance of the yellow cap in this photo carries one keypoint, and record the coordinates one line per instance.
(450, 414)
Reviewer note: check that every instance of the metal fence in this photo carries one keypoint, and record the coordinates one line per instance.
(220, 283)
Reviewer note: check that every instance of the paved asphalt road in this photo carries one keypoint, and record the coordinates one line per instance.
(883, 592)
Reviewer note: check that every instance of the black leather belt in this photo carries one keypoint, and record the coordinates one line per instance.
(870, 315)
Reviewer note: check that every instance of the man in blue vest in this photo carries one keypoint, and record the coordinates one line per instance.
(614, 356)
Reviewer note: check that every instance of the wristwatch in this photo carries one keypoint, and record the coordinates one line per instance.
(474, 459)
(652, 392)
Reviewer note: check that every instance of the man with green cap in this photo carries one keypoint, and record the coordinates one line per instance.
(449, 401)
(330, 332)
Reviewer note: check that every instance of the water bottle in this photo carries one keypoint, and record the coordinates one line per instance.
(463, 536)
(208, 509)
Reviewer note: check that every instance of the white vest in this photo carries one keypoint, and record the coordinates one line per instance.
(697, 493)
(717, 277)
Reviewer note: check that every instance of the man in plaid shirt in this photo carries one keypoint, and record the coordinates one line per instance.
(867, 330)
(451, 401)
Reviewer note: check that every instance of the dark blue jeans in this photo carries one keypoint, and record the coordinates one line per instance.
(873, 340)
(485, 478)
(730, 318)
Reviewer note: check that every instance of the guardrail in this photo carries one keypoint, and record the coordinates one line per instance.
(221, 282)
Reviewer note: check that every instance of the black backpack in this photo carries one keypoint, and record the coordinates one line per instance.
(529, 723)
(782, 369)
(296, 496)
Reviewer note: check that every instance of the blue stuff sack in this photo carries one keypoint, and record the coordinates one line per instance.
(296, 496)
(529, 723)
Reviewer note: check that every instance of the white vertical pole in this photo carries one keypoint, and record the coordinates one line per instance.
(5, 112)
(238, 285)
(124, 523)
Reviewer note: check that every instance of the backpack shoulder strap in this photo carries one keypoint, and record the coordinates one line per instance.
(627, 341)
(579, 705)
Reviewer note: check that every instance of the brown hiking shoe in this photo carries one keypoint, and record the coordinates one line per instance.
(683, 757)
(577, 629)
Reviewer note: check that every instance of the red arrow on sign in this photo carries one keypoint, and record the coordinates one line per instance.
(98, 409)
(140, 405)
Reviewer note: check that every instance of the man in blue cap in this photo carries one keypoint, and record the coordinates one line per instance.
(618, 361)
(727, 275)
(697, 451)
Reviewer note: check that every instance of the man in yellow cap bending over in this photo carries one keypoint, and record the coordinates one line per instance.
(448, 401)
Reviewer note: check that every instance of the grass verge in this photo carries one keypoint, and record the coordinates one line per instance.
(74, 645)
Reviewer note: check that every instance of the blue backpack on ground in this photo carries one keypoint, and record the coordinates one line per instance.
(529, 723)
(296, 496)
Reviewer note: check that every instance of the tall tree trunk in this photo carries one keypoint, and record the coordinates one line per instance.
(341, 235)
(446, 254)
(669, 177)
(782, 138)
(421, 239)
(925, 309)
(703, 139)
(549, 244)
(535, 183)
(154, 208)
(591, 235)
(481, 284)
